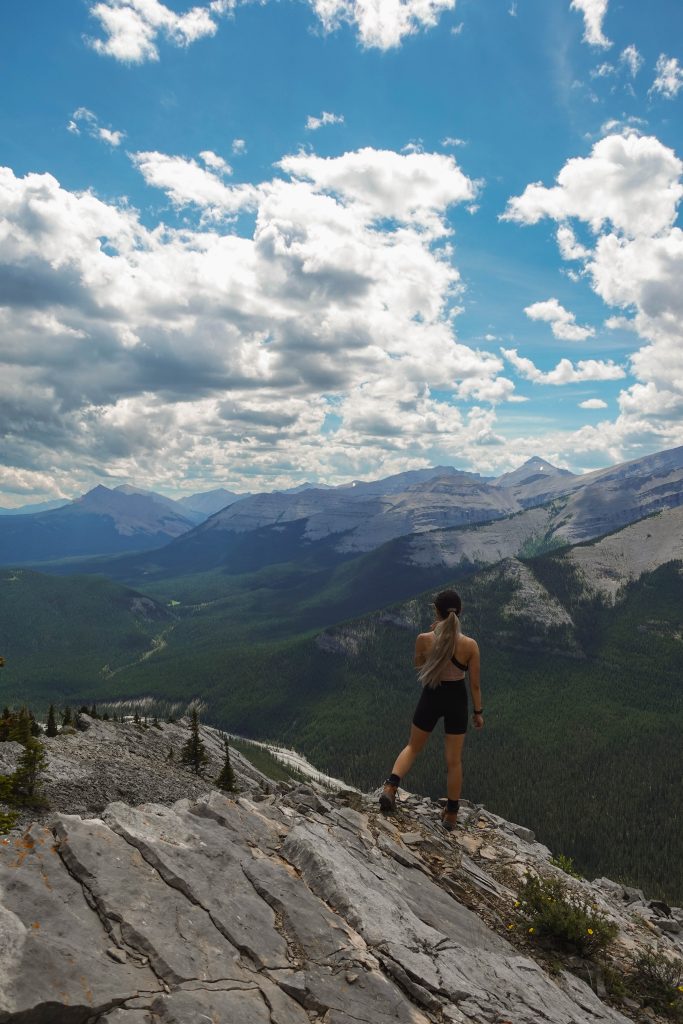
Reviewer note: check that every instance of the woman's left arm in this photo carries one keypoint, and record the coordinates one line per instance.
(474, 673)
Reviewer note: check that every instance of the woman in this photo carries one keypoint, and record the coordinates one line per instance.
(443, 656)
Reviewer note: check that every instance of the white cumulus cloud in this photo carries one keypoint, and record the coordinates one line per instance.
(629, 180)
(593, 403)
(669, 79)
(562, 323)
(314, 123)
(627, 194)
(150, 351)
(132, 27)
(631, 59)
(382, 24)
(84, 120)
(565, 372)
(593, 12)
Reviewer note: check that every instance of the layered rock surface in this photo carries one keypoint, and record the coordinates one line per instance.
(283, 905)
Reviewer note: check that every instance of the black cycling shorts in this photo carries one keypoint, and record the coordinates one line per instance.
(448, 698)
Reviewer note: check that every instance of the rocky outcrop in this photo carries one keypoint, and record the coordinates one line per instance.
(250, 911)
(283, 904)
(283, 909)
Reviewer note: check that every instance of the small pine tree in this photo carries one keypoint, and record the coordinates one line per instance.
(226, 779)
(105, 716)
(194, 751)
(26, 781)
(136, 717)
(20, 727)
(7, 818)
(51, 729)
(67, 717)
(83, 710)
(5, 725)
(35, 728)
(93, 712)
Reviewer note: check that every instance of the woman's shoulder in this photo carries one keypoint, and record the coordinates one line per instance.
(424, 637)
(469, 642)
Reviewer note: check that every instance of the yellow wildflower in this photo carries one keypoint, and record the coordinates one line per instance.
(531, 931)
(590, 931)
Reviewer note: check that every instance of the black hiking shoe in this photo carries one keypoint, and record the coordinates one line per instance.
(449, 819)
(387, 800)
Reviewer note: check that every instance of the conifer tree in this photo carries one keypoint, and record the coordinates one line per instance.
(27, 778)
(20, 727)
(51, 729)
(136, 717)
(226, 779)
(5, 722)
(194, 751)
(7, 818)
(67, 716)
(35, 728)
(93, 712)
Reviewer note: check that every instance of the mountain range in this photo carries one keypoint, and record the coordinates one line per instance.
(279, 613)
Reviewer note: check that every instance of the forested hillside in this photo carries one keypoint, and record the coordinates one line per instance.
(583, 698)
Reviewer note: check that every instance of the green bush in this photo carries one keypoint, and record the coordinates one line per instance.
(8, 819)
(659, 983)
(550, 910)
(565, 864)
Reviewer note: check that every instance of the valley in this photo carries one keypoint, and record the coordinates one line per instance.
(294, 635)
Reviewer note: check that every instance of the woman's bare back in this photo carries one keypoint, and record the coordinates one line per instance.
(463, 650)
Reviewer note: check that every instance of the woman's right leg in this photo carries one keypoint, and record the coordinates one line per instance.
(404, 761)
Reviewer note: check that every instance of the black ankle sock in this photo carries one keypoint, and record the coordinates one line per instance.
(452, 805)
(393, 780)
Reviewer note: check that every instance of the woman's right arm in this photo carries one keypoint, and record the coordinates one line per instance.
(420, 650)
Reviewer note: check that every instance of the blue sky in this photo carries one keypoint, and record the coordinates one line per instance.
(249, 244)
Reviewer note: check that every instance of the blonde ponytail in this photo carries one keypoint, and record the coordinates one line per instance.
(445, 634)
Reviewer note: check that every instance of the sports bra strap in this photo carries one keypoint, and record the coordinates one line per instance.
(458, 664)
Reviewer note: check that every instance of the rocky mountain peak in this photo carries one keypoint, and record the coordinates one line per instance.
(283, 904)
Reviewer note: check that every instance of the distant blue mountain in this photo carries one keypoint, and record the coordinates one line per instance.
(29, 510)
(101, 522)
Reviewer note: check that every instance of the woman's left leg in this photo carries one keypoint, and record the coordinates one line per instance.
(454, 745)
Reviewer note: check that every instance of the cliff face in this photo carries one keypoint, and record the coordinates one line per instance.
(285, 907)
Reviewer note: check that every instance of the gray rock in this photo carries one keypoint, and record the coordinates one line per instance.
(234, 1005)
(203, 860)
(440, 945)
(524, 833)
(53, 946)
(130, 893)
(122, 1016)
(10, 752)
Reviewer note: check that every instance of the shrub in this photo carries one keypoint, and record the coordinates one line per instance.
(565, 864)
(659, 982)
(550, 910)
(8, 819)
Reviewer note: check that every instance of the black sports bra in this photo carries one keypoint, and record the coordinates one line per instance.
(458, 664)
